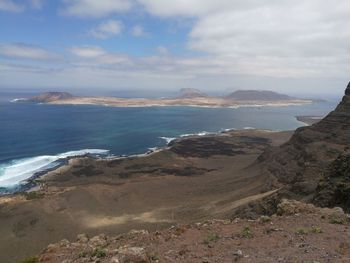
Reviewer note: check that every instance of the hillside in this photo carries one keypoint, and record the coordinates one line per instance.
(299, 233)
(309, 158)
(258, 95)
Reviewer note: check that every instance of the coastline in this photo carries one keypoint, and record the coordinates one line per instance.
(232, 105)
(198, 177)
(36, 180)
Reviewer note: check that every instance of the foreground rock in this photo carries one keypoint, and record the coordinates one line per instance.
(301, 233)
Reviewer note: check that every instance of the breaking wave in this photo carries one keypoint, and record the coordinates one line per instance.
(16, 172)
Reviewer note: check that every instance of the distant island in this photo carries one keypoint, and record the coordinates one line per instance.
(186, 97)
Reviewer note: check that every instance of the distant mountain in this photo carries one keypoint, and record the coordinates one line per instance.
(51, 96)
(189, 93)
(260, 95)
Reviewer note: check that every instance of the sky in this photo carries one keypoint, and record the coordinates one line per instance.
(291, 46)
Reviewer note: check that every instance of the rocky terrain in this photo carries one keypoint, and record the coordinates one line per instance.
(298, 233)
(309, 158)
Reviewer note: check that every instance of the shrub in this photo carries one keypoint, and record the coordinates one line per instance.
(316, 230)
(265, 219)
(301, 231)
(99, 253)
(33, 195)
(212, 237)
(247, 233)
(338, 221)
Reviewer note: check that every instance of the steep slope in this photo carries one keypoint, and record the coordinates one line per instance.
(259, 95)
(300, 163)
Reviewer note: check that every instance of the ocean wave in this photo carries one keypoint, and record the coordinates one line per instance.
(168, 139)
(228, 130)
(202, 133)
(16, 172)
(16, 100)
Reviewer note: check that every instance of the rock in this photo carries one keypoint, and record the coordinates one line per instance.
(82, 238)
(98, 241)
(132, 254)
(292, 207)
(238, 253)
(138, 232)
(64, 243)
(52, 247)
(114, 260)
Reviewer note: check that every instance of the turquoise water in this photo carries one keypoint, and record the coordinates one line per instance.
(35, 137)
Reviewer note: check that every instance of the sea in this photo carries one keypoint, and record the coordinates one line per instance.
(35, 138)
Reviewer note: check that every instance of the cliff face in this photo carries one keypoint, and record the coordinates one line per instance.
(301, 163)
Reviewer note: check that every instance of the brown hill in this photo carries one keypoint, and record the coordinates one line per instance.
(189, 93)
(51, 96)
(259, 95)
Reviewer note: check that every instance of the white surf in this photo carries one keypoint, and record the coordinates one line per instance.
(16, 172)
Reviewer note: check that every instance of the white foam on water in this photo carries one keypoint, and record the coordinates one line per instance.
(168, 139)
(203, 133)
(18, 171)
(20, 99)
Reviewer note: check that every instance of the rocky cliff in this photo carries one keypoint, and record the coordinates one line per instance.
(304, 160)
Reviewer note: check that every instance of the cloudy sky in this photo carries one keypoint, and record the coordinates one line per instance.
(294, 46)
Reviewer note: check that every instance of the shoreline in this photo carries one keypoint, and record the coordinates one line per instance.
(236, 106)
(34, 183)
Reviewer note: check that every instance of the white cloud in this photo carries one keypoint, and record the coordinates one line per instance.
(266, 37)
(107, 29)
(87, 51)
(10, 6)
(24, 51)
(162, 50)
(95, 8)
(37, 4)
(195, 8)
(138, 31)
